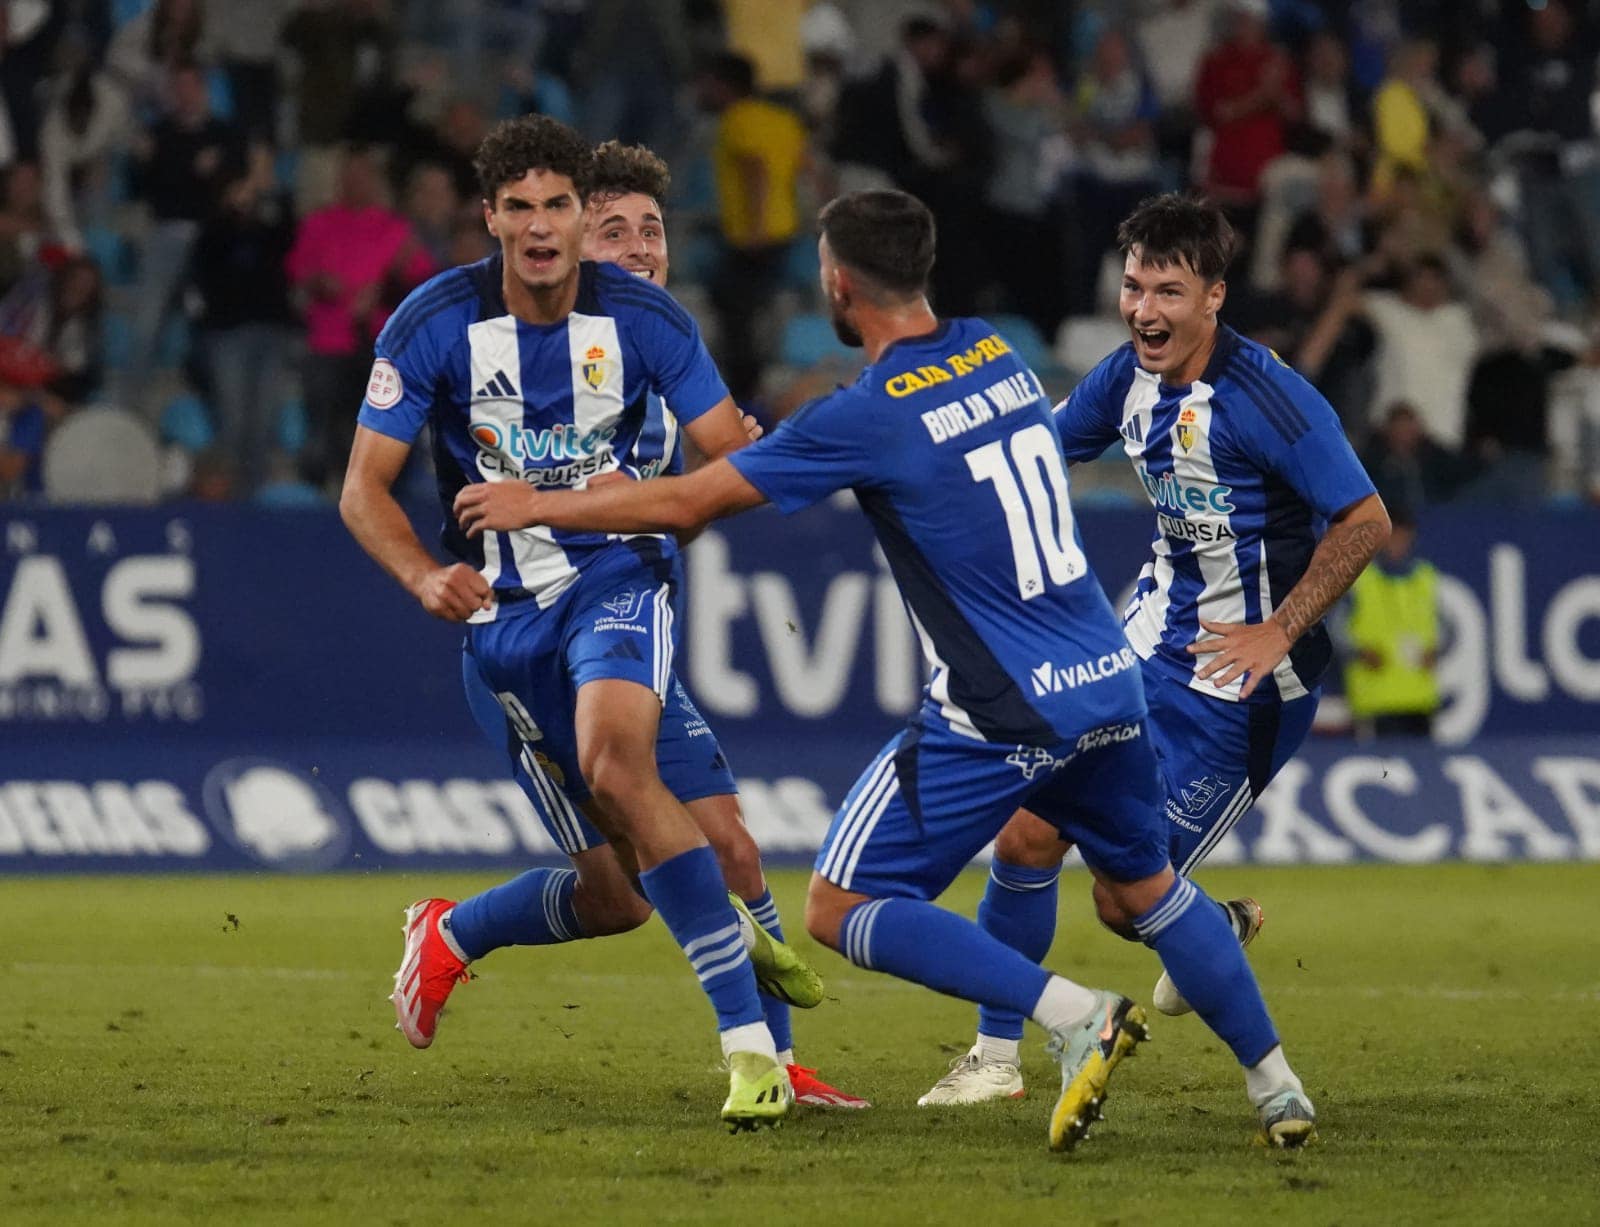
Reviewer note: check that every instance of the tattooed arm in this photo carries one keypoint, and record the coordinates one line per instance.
(1354, 536)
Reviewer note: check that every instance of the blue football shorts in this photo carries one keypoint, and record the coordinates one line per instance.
(1216, 757)
(522, 673)
(933, 798)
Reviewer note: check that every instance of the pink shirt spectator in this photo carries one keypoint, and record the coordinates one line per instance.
(361, 256)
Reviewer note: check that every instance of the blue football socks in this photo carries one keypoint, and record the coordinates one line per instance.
(1202, 954)
(765, 912)
(1018, 908)
(534, 909)
(942, 951)
(689, 893)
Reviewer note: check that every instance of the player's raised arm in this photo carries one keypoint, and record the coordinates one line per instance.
(666, 504)
(369, 510)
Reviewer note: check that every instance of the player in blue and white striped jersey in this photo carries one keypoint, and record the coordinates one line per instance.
(1264, 517)
(1034, 697)
(535, 368)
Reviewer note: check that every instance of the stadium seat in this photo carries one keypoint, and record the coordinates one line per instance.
(172, 348)
(116, 338)
(808, 340)
(1024, 337)
(186, 422)
(102, 455)
(292, 429)
(220, 90)
(1085, 339)
(107, 249)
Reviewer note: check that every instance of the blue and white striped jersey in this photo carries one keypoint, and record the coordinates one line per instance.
(1245, 466)
(552, 405)
(948, 443)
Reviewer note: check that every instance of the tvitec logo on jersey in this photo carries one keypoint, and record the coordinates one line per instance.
(93, 631)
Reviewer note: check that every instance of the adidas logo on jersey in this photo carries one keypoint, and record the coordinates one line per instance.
(626, 649)
(499, 386)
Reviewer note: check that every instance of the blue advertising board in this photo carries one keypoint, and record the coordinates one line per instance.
(227, 687)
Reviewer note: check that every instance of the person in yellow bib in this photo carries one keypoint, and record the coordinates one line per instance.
(1390, 680)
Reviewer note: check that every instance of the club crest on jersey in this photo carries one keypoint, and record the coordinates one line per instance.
(595, 367)
(1188, 429)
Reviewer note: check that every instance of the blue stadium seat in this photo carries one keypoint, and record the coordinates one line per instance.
(220, 90)
(172, 347)
(292, 427)
(809, 340)
(800, 270)
(1025, 338)
(109, 251)
(186, 422)
(116, 339)
(124, 11)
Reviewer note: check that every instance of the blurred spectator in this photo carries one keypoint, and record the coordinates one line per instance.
(1247, 94)
(1412, 114)
(1426, 343)
(759, 153)
(883, 137)
(351, 262)
(534, 91)
(1547, 80)
(767, 33)
(181, 163)
(147, 49)
(1392, 638)
(1508, 412)
(214, 477)
(71, 332)
(1113, 127)
(242, 292)
(29, 34)
(1409, 469)
(1025, 111)
(86, 120)
(469, 243)
(1336, 224)
(1333, 109)
(22, 432)
(433, 208)
(1173, 39)
(629, 62)
(243, 37)
(460, 130)
(345, 49)
(829, 43)
(1509, 308)
(1332, 349)
(23, 228)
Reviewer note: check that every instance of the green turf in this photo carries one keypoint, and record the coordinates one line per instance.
(158, 1064)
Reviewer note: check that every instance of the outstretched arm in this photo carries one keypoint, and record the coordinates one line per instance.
(1353, 538)
(665, 504)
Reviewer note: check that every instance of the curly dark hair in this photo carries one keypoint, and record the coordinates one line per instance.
(532, 142)
(620, 170)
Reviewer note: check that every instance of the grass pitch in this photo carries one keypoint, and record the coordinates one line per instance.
(220, 1050)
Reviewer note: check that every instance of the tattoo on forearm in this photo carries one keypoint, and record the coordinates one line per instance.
(1340, 557)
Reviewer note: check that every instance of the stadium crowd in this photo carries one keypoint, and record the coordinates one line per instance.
(209, 207)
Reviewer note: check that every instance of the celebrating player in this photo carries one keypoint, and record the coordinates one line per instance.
(1245, 463)
(948, 443)
(597, 897)
(534, 370)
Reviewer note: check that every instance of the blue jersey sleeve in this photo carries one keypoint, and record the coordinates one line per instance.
(681, 370)
(405, 374)
(1090, 419)
(824, 446)
(1297, 435)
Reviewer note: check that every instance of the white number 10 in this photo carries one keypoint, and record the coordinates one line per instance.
(1041, 524)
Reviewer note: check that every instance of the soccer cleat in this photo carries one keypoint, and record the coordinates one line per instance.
(1287, 1120)
(758, 1092)
(429, 971)
(1087, 1053)
(973, 1080)
(1246, 917)
(780, 971)
(812, 1090)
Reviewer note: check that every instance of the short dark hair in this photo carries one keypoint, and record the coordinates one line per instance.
(886, 236)
(532, 142)
(620, 170)
(1178, 229)
(735, 71)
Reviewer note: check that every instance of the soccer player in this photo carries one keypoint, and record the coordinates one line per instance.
(533, 369)
(624, 226)
(948, 443)
(1264, 517)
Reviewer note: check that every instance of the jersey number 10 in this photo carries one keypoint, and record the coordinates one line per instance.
(1038, 516)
